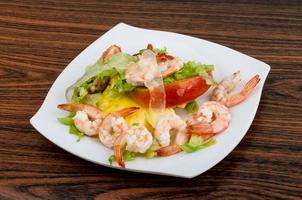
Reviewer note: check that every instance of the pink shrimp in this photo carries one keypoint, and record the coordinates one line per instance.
(227, 85)
(87, 118)
(114, 125)
(136, 139)
(170, 131)
(211, 119)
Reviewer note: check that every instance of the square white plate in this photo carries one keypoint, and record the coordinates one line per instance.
(131, 39)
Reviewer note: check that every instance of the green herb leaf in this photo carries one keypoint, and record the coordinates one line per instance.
(135, 124)
(192, 107)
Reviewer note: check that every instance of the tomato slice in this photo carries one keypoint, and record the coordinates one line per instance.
(177, 93)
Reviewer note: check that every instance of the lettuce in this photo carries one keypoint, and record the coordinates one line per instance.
(115, 64)
(117, 82)
(120, 85)
(191, 69)
(196, 143)
(155, 50)
(192, 107)
(160, 51)
(151, 152)
(127, 156)
(68, 121)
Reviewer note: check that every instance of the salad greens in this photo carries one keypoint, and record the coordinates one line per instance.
(155, 50)
(127, 156)
(110, 73)
(68, 121)
(192, 107)
(116, 64)
(196, 143)
(191, 69)
(151, 152)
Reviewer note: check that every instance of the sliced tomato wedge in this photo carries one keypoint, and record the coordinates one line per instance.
(177, 93)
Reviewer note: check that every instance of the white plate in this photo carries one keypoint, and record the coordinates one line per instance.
(187, 48)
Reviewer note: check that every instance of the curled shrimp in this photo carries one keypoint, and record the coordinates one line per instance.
(113, 125)
(211, 119)
(170, 132)
(136, 139)
(227, 85)
(170, 66)
(147, 68)
(87, 119)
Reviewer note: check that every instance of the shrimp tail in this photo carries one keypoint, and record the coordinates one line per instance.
(200, 129)
(90, 110)
(70, 107)
(168, 150)
(118, 153)
(126, 111)
(169, 71)
(241, 96)
(118, 150)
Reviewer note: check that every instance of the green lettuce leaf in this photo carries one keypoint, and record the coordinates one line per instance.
(155, 50)
(191, 69)
(127, 156)
(68, 121)
(192, 107)
(196, 143)
(115, 63)
(120, 85)
(151, 152)
(111, 159)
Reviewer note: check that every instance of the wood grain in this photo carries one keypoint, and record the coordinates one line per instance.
(39, 38)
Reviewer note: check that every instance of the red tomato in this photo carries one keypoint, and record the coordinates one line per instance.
(177, 93)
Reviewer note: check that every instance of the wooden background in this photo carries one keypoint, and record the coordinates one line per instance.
(39, 38)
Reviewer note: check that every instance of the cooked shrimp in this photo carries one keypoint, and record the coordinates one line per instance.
(170, 131)
(227, 85)
(87, 118)
(147, 68)
(136, 139)
(113, 125)
(219, 117)
(170, 66)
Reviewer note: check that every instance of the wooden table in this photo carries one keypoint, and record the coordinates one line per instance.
(39, 38)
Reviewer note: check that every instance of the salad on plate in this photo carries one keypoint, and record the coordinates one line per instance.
(128, 103)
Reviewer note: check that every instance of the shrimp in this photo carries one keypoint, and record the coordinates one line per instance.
(170, 66)
(144, 70)
(211, 119)
(113, 125)
(147, 68)
(87, 118)
(227, 85)
(170, 131)
(136, 139)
